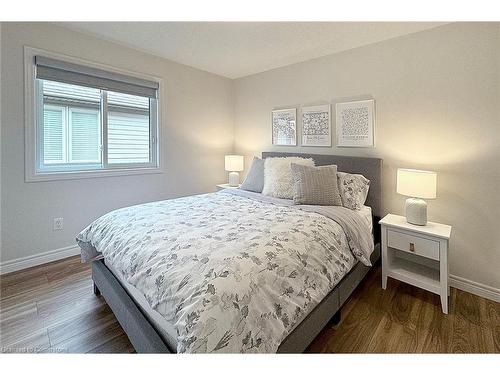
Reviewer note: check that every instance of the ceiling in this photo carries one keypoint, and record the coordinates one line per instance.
(238, 49)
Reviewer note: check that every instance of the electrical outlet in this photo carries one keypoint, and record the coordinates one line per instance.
(58, 223)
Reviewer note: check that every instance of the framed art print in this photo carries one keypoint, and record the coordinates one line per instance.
(284, 127)
(355, 123)
(316, 126)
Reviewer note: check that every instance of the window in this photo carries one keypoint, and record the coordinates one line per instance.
(89, 120)
(70, 133)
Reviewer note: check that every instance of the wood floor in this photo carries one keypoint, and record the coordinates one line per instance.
(52, 308)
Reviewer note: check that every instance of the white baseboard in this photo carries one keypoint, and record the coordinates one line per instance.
(473, 287)
(35, 260)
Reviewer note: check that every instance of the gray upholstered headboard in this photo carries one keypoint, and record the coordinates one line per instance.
(371, 168)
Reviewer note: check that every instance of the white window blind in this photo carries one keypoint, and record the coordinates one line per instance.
(85, 139)
(58, 90)
(128, 138)
(53, 134)
(126, 100)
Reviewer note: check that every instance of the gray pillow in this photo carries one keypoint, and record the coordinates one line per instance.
(254, 181)
(315, 185)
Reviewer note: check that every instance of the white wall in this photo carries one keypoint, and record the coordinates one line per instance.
(437, 99)
(197, 131)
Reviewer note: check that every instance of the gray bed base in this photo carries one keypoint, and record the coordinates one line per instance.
(146, 339)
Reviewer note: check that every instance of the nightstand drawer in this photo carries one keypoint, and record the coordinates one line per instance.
(413, 244)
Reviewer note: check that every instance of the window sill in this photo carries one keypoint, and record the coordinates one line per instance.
(74, 175)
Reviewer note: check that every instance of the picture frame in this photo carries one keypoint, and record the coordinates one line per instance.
(316, 126)
(355, 123)
(284, 127)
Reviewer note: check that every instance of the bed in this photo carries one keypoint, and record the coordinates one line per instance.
(262, 276)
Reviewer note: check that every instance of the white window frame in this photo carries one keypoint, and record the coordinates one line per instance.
(34, 114)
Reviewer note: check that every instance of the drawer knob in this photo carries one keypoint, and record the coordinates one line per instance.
(412, 247)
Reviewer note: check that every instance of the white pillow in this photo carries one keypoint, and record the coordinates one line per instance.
(278, 180)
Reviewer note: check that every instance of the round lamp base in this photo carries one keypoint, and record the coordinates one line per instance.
(234, 179)
(416, 211)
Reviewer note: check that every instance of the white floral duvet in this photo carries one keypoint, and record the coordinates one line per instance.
(231, 272)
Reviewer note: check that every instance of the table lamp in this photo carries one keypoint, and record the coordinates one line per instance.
(234, 164)
(416, 184)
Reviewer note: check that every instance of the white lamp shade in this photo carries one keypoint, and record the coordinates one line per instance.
(233, 163)
(416, 183)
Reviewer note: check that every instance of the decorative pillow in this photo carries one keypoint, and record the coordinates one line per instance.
(254, 181)
(353, 189)
(315, 185)
(278, 181)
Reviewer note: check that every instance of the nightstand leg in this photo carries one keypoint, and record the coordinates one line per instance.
(385, 260)
(444, 303)
(443, 275)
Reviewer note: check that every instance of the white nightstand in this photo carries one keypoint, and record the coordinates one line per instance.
(226, 186)
(417, 255)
